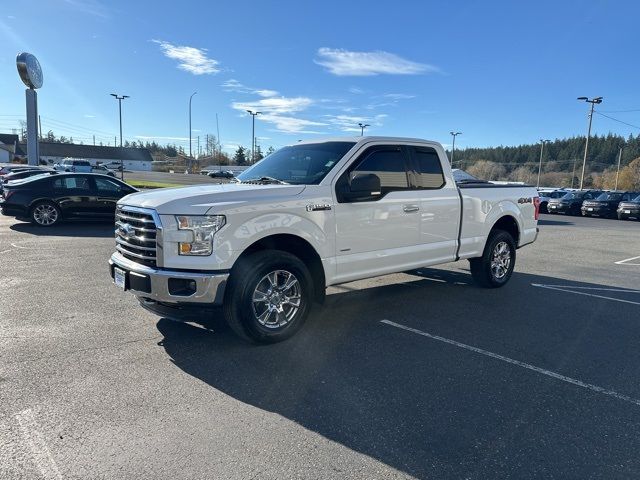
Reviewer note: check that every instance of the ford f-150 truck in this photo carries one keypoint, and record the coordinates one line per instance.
(311, 215)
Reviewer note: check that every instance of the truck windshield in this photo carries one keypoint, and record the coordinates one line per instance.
(305, 164)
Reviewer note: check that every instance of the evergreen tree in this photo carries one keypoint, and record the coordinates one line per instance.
(240, 157)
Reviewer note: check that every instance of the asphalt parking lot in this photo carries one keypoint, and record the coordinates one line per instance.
(411, 375)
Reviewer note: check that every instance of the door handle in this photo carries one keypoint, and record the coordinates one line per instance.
(410, 208)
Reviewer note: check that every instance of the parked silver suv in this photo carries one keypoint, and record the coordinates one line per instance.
(71, 165)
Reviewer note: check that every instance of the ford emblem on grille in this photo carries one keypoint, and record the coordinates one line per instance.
(126, 230)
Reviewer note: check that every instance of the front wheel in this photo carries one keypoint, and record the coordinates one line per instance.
(45, 214)
(495, 267)
(268, 296)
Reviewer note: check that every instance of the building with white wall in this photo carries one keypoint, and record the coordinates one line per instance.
(135, 159)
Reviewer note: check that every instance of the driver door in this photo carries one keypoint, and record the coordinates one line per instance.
(377, 235)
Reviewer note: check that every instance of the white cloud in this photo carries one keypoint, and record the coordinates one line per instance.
(89, 116)
(235, 86)
(356, 90)
(91, 7)
(287, 124)
(273, 105)
(349, 123)
(191, 59)
(398, 96)
(147, 137)
(347, 63)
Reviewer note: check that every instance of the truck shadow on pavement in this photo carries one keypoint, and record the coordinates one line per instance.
(94, 228)
(429, 409)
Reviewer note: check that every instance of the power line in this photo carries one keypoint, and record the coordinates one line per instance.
(621, 111)
(616, 120)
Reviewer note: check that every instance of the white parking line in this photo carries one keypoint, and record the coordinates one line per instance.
(39, 450)
(518, 363)
(627, 261)
(565, 289)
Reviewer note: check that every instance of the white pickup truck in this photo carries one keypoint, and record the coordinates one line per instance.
(308, 216)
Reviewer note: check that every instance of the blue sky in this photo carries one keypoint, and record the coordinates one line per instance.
(503, 73)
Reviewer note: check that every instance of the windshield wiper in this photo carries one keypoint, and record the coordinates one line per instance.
(265, 180)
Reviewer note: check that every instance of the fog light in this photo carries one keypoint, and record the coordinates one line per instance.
(182, 287)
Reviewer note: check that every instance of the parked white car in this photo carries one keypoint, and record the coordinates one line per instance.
(72, 165)
(311, 215)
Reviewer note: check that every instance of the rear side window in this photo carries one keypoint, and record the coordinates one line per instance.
(82, 163)
(388, 164)
(71, 183)
(429, 169)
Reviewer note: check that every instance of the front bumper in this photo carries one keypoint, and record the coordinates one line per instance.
(161, 285)
(629, 213)
(589, 210)
(559, 208)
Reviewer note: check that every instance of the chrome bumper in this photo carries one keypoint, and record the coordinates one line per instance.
(209, 288)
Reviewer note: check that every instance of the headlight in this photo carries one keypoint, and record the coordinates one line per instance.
(203, 228)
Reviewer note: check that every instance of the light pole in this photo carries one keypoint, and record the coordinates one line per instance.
(453, 146)
(362, 127)
(253, 134)
(618, 172)
(120, 98)
(542, 142)
(190, 127)
(593, 102)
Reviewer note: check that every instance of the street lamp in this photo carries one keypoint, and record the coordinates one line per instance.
(362, 127)
(253, 134)
(542, 142)
(453, 146)
(120, 98)
(593, 102)
(190, 127)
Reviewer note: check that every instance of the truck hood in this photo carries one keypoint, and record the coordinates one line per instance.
(198, 199)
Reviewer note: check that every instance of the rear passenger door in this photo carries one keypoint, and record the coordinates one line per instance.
(381, 234)
(439, 206)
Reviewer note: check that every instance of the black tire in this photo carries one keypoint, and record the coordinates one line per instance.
(45, 214)
(482, 268)
(251, 276)
(543, 208)
(620, 217)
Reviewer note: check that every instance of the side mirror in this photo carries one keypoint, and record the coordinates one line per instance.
(363, 186)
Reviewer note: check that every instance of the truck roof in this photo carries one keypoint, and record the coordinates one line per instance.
(367, 138)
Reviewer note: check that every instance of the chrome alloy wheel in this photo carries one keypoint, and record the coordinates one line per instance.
(276, 299)
(500, 260)
(45, 214)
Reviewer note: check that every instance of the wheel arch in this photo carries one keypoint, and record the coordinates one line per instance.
(509, 224)
(299, 247)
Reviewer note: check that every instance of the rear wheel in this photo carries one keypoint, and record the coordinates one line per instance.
(268, 296)
(495, 267)
(45, 214)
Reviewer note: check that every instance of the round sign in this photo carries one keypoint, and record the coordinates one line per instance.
(29, 70)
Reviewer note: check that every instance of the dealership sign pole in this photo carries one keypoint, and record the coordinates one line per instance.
(31, 75)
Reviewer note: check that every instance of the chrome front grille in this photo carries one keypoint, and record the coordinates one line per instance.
(136, 235)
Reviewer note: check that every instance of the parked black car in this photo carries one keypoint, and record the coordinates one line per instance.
(570, 203)
(14, 167)
(606, 204)
(629, 209)
(221, 174)
(46, 200)
(20, 174)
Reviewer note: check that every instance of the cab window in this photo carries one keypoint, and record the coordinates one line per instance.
(388, 164)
